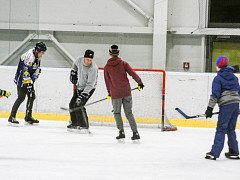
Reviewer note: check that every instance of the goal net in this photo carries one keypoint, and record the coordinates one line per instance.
(148, 104)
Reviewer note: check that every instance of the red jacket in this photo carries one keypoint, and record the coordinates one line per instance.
(116, 80)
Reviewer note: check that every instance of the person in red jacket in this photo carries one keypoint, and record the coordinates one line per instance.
(118, 87)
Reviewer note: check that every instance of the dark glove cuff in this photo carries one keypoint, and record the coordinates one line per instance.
(209, 108)
(73, 77)
(3, 93)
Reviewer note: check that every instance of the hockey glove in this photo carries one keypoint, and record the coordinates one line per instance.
(140, 86)
(73, 77)
(36, 74)
(208, 112)
(5, 93)
(109, 97)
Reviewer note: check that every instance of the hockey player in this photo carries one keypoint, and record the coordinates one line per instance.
(225, 92)
(84, 75)
(4, 93)
(27, 73)
(118, 87)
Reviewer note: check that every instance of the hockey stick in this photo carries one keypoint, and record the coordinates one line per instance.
(100, 100)
(191, 117)
(77, 108)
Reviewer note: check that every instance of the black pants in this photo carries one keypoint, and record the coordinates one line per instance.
(79, 117)
(22, 92)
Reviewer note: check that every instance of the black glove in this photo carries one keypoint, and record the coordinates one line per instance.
(140, 86)
(4, 93)
(73, 77)
(208, 112)
(82, 99)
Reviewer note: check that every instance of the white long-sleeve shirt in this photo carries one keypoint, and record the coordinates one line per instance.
(87, 75)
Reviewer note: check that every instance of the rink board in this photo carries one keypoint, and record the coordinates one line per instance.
(201, 123)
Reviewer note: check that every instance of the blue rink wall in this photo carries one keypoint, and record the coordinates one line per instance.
(188, 91)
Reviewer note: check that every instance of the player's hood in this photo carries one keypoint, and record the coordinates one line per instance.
(227, 73)
(114, 61)
(228, 80)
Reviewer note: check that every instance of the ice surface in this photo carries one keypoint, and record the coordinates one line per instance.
(48, 151)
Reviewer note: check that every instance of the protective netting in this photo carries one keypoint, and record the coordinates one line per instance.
(147, 103)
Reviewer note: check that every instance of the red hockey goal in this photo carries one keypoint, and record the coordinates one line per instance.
(148, 104)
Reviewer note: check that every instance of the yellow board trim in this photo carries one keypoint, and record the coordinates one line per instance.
(176, 122)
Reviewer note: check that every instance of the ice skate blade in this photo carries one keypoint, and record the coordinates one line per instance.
(83, 131)
(31, 124)
(210, 157)
(79, 131)
(136, 141)
(121, 141)
(232, 157)
(13, 124)
(70, 130)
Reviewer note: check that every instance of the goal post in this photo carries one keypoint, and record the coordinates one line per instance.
(148, 104)
(162, 78)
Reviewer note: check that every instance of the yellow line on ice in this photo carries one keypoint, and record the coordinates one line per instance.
(177, 122)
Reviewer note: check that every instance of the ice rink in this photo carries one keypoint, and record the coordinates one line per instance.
(48, 151)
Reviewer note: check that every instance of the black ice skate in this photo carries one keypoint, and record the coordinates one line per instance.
(135, 136)
(12, 121)
(210, 156)
(231, 156)
(71, 127)
(121, 136)
(31, 121)
(78, 129)
(83, 130)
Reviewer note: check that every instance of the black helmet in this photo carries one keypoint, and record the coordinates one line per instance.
(40, 46)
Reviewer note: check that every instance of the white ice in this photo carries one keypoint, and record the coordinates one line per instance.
(48, 151)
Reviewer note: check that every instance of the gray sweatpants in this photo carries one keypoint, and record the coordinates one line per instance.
(127, 106)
